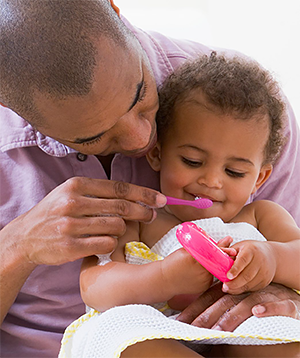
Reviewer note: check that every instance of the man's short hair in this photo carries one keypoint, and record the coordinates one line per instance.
(49, 46)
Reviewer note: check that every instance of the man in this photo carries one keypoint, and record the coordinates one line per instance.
(85, 84)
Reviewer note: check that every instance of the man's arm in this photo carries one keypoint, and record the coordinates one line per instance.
(283, 185)
(67, 225)
(14, 270)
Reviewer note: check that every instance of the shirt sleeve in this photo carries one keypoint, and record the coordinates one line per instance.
(283, 186)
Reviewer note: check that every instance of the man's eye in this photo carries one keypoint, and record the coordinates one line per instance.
(143, 94)
(191, 163)
(235, 174)
(93, 141)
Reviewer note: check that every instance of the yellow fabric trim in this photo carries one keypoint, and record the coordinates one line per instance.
(71, 329)
(229, 335)
(214, 334)
(164, 308)
(139, 249)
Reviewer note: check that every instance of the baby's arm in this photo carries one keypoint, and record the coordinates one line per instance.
(118, 283)
(259, 263)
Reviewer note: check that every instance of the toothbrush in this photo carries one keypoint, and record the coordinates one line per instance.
(199, 203)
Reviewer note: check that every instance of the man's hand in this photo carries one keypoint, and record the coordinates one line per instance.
(217, 310)
(81, 217)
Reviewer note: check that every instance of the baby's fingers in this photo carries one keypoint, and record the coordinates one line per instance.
(225, 242)
(243, 259)
(246, 282)
(230, 251)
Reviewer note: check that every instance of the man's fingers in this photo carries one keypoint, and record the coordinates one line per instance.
(94, 226)
(116, 207)
(234, 315)
(277, 308)
(95, 245)
(115, 189)
(227, 312)
(204, 301)
(211, 317)
(95, 197)
(72, 249)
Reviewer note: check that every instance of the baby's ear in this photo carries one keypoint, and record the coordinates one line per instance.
(263, 176)
(153, 157)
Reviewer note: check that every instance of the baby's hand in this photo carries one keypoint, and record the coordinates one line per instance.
(224, 245)
(182, 274)
(254, 267)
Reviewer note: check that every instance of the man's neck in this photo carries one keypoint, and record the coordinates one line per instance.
(106, 163)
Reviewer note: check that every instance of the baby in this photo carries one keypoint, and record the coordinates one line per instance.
(220, 126)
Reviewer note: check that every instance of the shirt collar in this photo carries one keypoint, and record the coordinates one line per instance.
(17, 133)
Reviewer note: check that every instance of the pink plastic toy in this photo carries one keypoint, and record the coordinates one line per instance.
(205, 250)
(199, 203)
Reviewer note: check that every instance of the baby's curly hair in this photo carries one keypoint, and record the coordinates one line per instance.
(233, 85)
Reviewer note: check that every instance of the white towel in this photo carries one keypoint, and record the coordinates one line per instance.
(108, 334)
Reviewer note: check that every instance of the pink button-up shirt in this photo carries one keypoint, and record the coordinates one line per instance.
(32, 165)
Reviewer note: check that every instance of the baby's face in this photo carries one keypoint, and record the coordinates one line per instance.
(212, 155)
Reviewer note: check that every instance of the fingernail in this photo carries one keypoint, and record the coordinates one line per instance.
(161, 200)
(230, 276)
(225, 287)
(154, 215)
(217, 328)
(257, 310)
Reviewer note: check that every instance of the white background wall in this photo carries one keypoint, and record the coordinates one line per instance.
(267, 30)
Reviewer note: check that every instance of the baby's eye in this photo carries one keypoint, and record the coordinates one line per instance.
(235, 174)
(191, 163)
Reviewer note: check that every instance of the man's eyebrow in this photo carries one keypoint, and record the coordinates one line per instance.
(137, 94)
(88, 139)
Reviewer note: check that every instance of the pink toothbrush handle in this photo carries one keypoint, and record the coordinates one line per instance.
(204, 249)
(174, 201)
(198, 203)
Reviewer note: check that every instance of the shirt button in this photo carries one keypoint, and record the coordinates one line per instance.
(81, 157)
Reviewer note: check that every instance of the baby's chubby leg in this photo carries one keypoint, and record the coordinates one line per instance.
(291, 350)
(159, 348)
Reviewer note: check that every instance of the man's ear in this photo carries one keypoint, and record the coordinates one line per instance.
(263, 176)
(117, 10)
(153, 157)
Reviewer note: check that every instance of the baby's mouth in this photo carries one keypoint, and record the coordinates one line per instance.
(202, 197)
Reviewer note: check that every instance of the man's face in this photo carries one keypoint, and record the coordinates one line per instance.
(117, 116)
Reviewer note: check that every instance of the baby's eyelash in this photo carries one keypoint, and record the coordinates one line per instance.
(141, 98)
(234, 174)
(191, 163)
